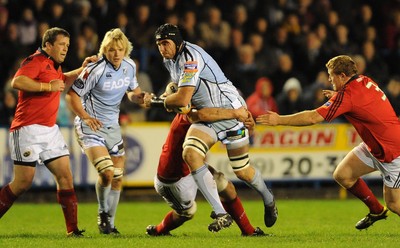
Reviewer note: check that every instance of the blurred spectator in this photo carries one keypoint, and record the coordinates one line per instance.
(7, 107)
(77, 53)
(392, 29)
(189, 29)
(376, 67)
(261, 100)
(265, 58)
(310, 57)
(342, 44)
(394, 58)
(281, 41)
(392, 92)
(240, 18)
(122, 22)
(81, 16)
(104, 12)
(3, 23)
(89, 33)
(58, 17)
(215, 32)
(27, 28)
(289, 100)
(362, 21)
(360, 63)
(284, 72)
(10, 50)
(244, 72)
(141, 31)
(321, 82)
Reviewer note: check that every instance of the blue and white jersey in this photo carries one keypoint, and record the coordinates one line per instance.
(101, 88)
(194, 67)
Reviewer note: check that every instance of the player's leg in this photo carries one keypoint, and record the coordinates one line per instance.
(101, 160)
(392, 199)
(180, 196)
(116, 188)
(22, 181)
(66, 197)
(348, 174)
(238, 153)
(199, 139)
(232, 204)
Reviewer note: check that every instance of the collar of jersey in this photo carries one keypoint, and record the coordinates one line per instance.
(56, 65)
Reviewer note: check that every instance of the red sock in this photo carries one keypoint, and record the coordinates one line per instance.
(236, 210)
(69, 205)
(169, 223)
(7, 198)
(361, 190)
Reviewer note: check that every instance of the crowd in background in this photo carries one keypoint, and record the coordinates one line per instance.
(274, 51)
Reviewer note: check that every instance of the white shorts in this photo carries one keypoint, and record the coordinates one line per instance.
(37, 143)
(390, 171)
(180, 195)
(109, 137)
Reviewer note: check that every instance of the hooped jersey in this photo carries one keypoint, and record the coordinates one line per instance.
(37, 107)
(102, 87)
(195, 68)
(367, 108)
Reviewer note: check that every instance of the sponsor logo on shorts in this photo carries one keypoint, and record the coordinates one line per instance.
(27, 154)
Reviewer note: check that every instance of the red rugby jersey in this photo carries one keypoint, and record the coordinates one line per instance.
(171, 166)
(37, 107)
(366, 107)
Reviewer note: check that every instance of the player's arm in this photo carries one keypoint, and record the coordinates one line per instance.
(73, 101)
(217, 114)
(140, 97)
(72, 75)
(25, 83)
(304, 118)
(181, 98)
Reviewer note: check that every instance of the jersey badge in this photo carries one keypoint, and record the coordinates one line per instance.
(190, 66)
(79, 83)
(327, 104)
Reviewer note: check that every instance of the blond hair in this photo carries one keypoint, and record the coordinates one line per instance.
(115, 36)
(342, 64)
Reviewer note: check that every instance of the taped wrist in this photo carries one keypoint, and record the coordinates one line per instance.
(157, 102)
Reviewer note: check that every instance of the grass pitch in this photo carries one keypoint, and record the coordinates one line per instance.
(301, 223)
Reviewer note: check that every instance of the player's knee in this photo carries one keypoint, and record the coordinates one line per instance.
(103, 164)
(188, 213)
(118, 173)
(193, 148)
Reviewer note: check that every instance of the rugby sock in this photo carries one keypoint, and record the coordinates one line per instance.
(170, 223)
(113, 200)
(102, 195)
(69, 204)
(7, 198)
(207, 186)
(258, 184)
(361, 190)
(236, 210)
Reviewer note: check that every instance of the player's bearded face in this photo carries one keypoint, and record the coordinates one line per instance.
(166, 48)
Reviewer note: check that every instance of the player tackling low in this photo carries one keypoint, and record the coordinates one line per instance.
(365, 106)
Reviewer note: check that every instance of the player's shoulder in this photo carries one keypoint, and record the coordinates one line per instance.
(129, 62)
